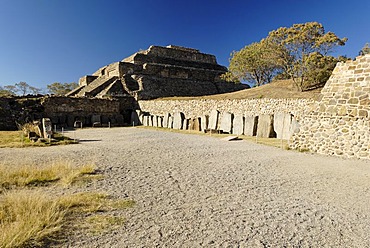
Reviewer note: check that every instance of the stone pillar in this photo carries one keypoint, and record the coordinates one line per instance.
(226, 122)
(265, 127)
(166, 119)
(204, 122)
(146, 120)
(195, 124)
(250, 125)
(47, 128)
(170, 122)
(213, 120)
(238, 125)
(282, 125)
(178, 120)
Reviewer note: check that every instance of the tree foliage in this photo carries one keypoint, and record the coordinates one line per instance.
(297, 47)
(21, 88)
(253, 63)
(61, 88)
(300, 52)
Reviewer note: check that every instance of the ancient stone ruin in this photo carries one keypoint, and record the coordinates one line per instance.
(338, 124)
(158, 72)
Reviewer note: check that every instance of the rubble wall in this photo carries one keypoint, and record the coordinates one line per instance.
(340, 124)
(249, 107)
(64, 111)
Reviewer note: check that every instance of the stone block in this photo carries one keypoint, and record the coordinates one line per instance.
(250, 125)
(213, 120)
(170, 122)
(195, 124)
(226, 123)
(282, 123)
(47, 129)
(204, 122)
(265, 126)
(166, 119)
(146, 120)
(150, 121)
(238, 125)
(186, 124)
(155, 121)
(178, 120)
(159, 121)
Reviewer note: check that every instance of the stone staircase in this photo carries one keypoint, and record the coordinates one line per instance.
(96, 86)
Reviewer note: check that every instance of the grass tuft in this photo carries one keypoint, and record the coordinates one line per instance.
(17, 139)
(28, 217)
(31, 175)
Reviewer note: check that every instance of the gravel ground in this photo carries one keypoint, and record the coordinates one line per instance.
(200, 191)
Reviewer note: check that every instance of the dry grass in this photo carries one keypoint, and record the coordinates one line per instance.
(30, 217)
(276, 89)
(33, 218)
(30, 175)
(17, 139)
(11, 138)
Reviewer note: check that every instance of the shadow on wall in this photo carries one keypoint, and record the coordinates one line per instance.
(66, 112)
(279, 125)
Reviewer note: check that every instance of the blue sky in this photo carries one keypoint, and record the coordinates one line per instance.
(46, 41)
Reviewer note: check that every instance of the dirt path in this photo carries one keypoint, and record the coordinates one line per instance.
(200, 191)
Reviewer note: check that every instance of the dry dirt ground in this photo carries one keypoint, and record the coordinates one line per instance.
(200, 191)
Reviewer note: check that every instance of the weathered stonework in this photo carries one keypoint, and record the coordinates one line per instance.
(199, 107)
(65, 111)
(158, 72)
(340, 124)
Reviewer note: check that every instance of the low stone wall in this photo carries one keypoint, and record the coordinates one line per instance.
(195, 108)
(64, 111)
(334, 135)
(273, 118)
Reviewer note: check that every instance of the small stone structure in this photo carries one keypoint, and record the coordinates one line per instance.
(47, 129)
(158, 72)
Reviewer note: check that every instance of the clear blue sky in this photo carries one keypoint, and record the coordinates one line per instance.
(46, 41)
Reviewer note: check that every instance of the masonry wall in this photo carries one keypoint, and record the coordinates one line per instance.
(64, 111)
(339, 124)
(250, 107)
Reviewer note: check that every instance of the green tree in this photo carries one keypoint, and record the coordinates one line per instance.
(253, 63)
(295, 48)
(61, 88)
(319, 69)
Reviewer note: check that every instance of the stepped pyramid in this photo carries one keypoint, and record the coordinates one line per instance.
(158, 72)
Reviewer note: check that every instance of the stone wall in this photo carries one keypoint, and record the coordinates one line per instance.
(64, 111)
(268, 118)
(339, 124)
(199, 107)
